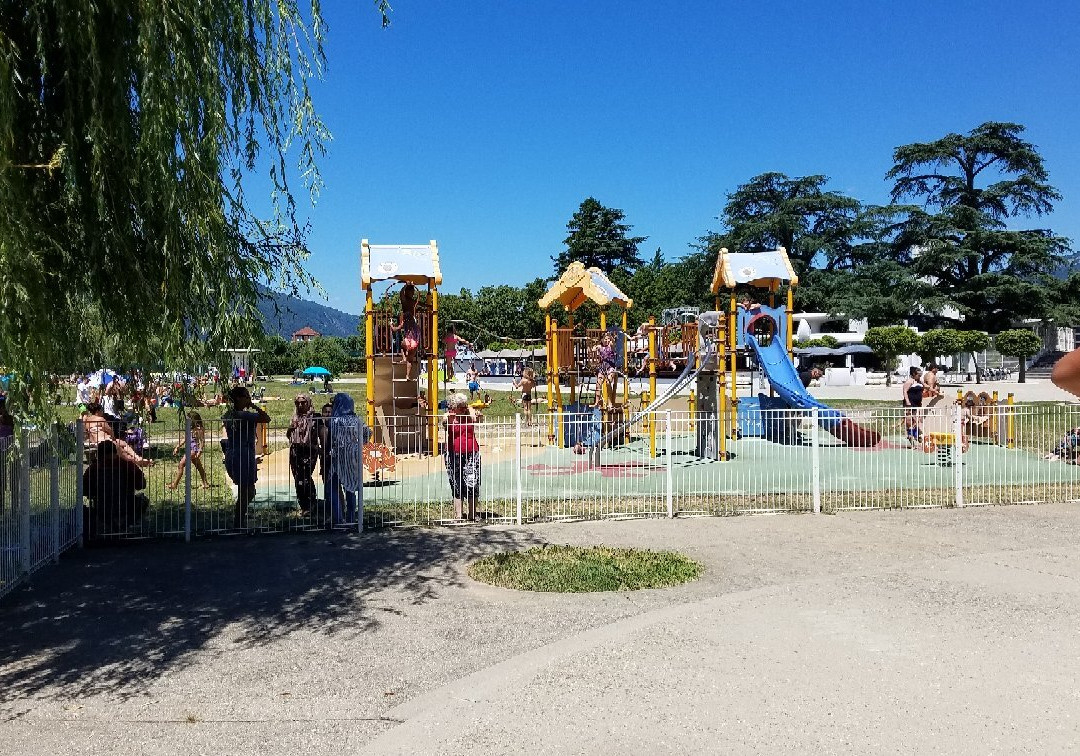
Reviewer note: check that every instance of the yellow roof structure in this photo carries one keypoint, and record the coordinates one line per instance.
(761, 269)
(412, 263)
(578, 285)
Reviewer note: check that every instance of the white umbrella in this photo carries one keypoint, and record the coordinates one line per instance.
(101, 378)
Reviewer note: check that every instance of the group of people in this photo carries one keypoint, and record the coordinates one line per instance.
(330, 440)
(921, 389)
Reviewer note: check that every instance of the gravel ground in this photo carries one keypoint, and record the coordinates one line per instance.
(944, 630)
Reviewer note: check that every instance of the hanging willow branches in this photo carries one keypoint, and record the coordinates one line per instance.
(128, 134)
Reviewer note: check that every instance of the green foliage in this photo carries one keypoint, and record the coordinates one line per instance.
(939, 342)
(598, 238)
(1018, 342)
(126, 134)
(969, 187)
(888, 343)
(825, 340)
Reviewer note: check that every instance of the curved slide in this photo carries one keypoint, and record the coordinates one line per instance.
(782, 376)
(689, 374)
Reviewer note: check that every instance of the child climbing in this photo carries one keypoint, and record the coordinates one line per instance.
(194, 452)
(606, 370)
(409, 327)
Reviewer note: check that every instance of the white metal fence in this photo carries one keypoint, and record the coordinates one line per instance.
(40, 502)
(780, 461)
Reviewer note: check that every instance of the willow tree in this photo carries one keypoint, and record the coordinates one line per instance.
(129, 132)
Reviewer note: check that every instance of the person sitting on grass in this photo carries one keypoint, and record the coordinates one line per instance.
(193, 456)
(1068, 448)
(98, 429)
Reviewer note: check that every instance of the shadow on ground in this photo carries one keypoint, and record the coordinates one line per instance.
(113, 620)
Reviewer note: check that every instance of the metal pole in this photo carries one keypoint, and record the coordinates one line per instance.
(667, 454)
(187, 478)
(815, 461)
(54, 491)
(652, 383)
(517, 462)
(958, 454)
(80, 460)
(360, 462)
(24, 501)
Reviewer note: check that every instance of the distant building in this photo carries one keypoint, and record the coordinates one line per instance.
(305, 334)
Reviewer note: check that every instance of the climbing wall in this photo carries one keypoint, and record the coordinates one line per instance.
(400, 422)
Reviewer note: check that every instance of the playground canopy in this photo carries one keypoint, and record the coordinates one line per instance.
(412, 263)
(579, 284)
(761, 269)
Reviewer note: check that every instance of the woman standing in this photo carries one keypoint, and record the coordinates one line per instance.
(462, 453)
(450, 345)
(346, 448)
(303, 452)
(913, 396)
(241, 423)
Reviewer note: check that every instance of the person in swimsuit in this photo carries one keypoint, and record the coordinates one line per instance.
(931, 388)
(912, 402)
(450, 345)
(526, 382)
(409, 327)
(194, 452)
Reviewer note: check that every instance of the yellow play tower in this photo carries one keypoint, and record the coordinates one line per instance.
(571, 356)
(395, 399)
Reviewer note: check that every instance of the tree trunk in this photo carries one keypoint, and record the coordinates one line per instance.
(1023, 370)
(978, 367)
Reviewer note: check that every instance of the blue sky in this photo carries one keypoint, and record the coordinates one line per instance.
(485, 124)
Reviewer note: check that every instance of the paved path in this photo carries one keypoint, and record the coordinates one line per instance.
(937, 630)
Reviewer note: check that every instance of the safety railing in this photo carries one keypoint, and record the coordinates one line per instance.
(260, 477)
(40, 502)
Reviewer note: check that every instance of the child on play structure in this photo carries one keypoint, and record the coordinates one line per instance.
(409, 326)
(450, 345)
(606, 370)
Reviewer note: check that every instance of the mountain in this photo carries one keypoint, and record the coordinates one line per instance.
(294, 313)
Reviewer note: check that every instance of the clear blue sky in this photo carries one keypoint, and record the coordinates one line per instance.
(485, 124)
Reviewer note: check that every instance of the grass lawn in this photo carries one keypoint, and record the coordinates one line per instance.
(575, 569)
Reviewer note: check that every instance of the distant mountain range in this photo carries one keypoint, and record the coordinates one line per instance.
(294, 313)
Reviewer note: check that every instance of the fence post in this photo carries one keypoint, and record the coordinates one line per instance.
(815, 460)
(958, 454)
(667, 455)
(517, 462)
(80, 461)
(25, 540)
(187, 478)
(54, 491)
(360, 467)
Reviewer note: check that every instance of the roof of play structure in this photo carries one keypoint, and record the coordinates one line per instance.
(579, 284)
(412, 263)
(762, 269)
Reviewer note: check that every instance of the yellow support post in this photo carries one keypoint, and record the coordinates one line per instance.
(994, 416)
(603, 389)
(626, 370)
(652, 382)
(1010, 424)
(733, 328)
(369, 337)
(790, 321)
(550, 374)
(691, 407)
(433, 371)
(558, 388)
(572, 368)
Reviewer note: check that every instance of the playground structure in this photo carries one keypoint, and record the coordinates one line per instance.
(575, 359)
(765, 332)
(403, 416)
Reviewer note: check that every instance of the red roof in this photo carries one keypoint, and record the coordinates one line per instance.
(307, 331)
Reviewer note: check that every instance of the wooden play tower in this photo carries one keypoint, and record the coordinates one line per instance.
(571, 354)
(403, 414)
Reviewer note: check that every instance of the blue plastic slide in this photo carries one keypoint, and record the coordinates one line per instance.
(785, 381)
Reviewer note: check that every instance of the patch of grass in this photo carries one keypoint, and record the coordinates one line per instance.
(577, 569)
